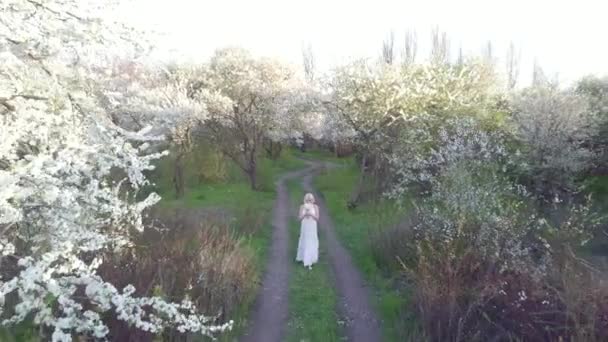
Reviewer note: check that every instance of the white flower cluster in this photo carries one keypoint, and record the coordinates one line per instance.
(422, 156)
(68, 178)
(6, 248)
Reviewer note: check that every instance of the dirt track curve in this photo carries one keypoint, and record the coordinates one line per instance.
(270, 313)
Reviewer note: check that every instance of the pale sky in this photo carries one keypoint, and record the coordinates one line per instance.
(566, 37)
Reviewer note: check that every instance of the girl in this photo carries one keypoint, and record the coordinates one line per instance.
(308, 245)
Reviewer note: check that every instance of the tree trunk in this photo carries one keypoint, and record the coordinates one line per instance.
(336, 149)
(356, 194)
(178, 176)
(273, 150)
(252, 172)
(253, 182)
(278, 148)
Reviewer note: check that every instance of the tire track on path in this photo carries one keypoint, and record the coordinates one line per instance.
(270, 312)
(361, 321)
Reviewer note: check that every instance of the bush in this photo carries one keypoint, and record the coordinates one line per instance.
(483, 263)
(393, 246)
(484, 268)
(556, 128)
(210, 165)
(596, 90)
(468, 299)
(462, 292)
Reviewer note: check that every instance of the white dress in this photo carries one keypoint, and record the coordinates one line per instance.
(308, 245)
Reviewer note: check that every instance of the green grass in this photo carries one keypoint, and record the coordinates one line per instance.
(289, 160)
(355, 229)
(229, 191)
(316, 154)
(234, 195)
(312, 297)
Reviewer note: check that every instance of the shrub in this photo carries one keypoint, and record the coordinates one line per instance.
(393, 245)
(555, 128)
(484, 265)
(469, 300)
(210, 165)
(424, 153)
(484, 268)
(468, 289)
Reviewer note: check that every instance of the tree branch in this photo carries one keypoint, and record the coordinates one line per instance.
(5, 100)
(46, 8)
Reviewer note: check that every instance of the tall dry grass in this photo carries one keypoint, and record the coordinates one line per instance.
(458, 295)
(185, 253)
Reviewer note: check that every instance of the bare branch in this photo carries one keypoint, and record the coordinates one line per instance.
(512, 65)
(5, 100)
(46, 8)
(411, 48)
(488, 53)
(538, 75)
(460, 60)
(308, 60)
(440, 47)
(388, 49)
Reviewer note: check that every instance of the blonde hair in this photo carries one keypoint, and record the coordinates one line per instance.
(309, 197)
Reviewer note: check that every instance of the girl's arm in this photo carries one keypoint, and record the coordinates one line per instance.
(301, 213)
(317, 213)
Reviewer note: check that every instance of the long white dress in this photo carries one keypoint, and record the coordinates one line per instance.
(308, 245)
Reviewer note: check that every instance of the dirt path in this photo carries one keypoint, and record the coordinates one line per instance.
(270, 314)
(361, 322)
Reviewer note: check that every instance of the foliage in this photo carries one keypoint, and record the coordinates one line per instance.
(483, 263)
(385, 105)
(229, 199)
(160, 97)
(371, 97)
(466, 299)
(481, 259)
(83, 118)
(596, 90)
